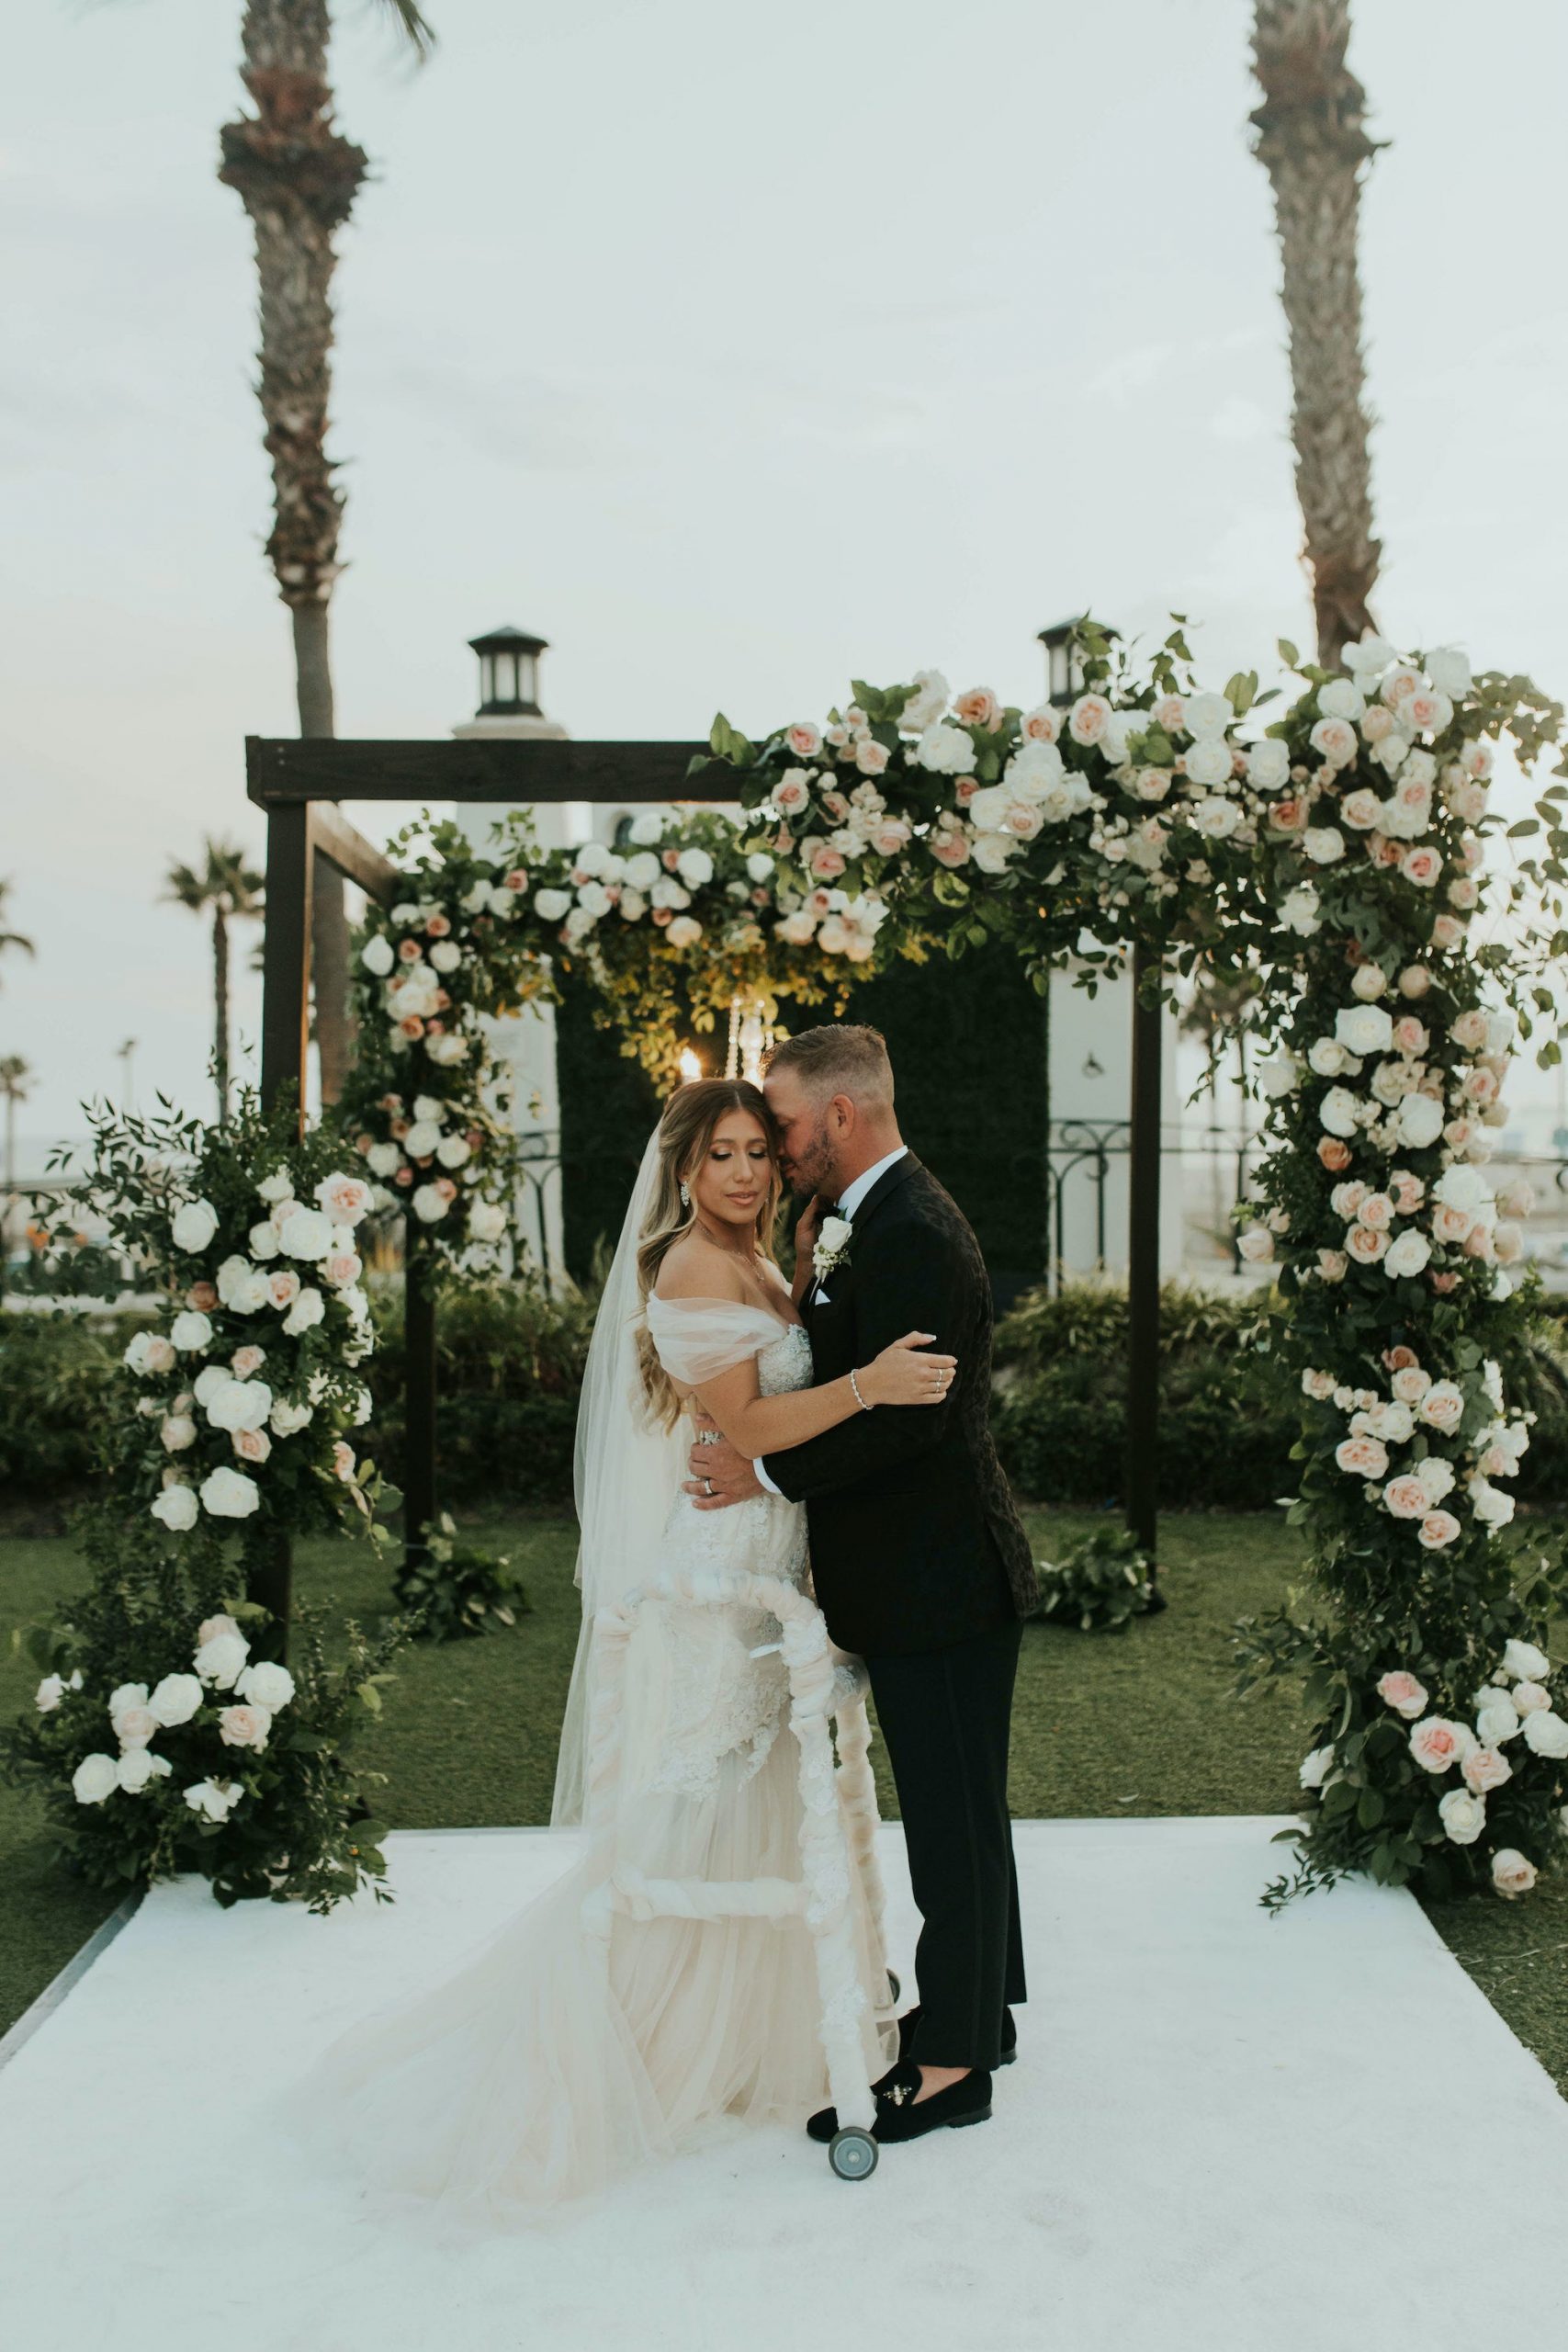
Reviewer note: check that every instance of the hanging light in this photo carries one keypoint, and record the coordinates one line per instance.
(691, 1066)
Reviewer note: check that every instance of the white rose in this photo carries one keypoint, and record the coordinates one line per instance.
(429, 1205)
(487, 1221)
(190, 1332)
(1498, 1721)
(1208, 714)
(418, 1143)
(1547, 1735)
(306, 1312)
(1463, 1816)
(383, 1159)
(174, 1700)
(229, 1494)
(1281, 1074)
(1408, 1255)
(1364, 1028)
(241, 1286)
(1341, 698)
(262, 1240)
(1299, 910)
(1315, 1767)
(49, 1692)
(1325, 844)
(694, 867)
(222, 1657)
(1268, 763)
(1336, 1112)
(552, 905)
(288, 1421)
(1420, 1121)
(1449, 670)
(240, 1405)
(992, 851)
(266, 1684)
(684, 932)
(1368, 658)
(177, 1431)
(446, 956)
(377, 955)
(1209, 762)
(454, 1152)
(175, 1507)
(278, 1186)
(1528, 1698)
(946, 751)
(307, 1233)
(646, 830)
(95, 1778)
(194, 1224)
(1217, 819)
(1525, 1662)
(1492, 1508)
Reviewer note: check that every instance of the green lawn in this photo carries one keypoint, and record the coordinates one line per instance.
(1142, 1722)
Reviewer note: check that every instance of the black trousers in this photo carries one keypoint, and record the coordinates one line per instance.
(945, 1715)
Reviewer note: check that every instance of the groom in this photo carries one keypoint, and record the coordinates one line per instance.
(918, 1557)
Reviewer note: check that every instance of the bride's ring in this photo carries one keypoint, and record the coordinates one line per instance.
(708, 1486)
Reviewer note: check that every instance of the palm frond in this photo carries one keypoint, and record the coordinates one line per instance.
(420, 34)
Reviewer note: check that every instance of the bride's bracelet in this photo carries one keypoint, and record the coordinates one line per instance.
(860, 1400)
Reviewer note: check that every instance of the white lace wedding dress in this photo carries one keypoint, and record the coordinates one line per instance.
(529, 2076)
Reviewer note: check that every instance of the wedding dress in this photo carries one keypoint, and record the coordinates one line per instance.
(535, 2074)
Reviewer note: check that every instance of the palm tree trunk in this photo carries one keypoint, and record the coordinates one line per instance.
(1311, 139)
(221, 1009)
(298, 178)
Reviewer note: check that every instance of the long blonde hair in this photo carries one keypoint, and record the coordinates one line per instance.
(685, 1133)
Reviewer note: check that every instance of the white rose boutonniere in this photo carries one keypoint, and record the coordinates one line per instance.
(832, 1246)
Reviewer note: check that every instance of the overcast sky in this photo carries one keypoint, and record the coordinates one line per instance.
(735, 350)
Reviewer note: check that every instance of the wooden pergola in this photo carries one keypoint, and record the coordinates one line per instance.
(299, 782)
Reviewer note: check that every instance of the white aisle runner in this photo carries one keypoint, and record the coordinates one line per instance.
(1225, 2132)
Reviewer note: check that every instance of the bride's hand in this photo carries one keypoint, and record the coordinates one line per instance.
(906, 1374)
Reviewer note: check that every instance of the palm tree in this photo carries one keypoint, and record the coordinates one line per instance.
(12, 938)
(298, 176)
(14, 1074)
(231, 888)
(1311, 139)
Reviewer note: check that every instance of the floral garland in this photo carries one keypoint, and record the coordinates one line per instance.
(235, 1403)
(427, 1104)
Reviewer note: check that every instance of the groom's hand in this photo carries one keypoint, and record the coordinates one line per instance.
(719, 1475)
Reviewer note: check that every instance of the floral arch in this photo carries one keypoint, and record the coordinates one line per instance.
(1330, 853)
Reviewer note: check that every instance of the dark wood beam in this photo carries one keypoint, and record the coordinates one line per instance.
(333, 838)
(1143, 1256)
(289, 768)
(285, 952)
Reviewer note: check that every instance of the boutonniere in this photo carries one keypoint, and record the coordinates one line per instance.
(832, 1246)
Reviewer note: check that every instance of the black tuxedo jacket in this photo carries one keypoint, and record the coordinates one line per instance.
(916, 1542)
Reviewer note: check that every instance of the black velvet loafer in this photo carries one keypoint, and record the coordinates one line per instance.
(902, 2114)
(911, 2019)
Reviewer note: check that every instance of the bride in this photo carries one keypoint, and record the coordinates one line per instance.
(531, 2075)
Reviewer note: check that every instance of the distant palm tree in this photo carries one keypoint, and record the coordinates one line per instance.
(230, 890)
(12, 938)
(1311, 142)
(14, 1074)
(298, 176)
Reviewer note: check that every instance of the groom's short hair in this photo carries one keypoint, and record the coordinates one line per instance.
(840, 1058)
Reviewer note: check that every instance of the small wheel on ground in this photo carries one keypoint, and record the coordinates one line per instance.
(853, 2154)
(894, 1987)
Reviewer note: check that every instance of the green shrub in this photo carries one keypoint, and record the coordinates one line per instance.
(1097, 1585)
(509, 1367)
(57, 1371)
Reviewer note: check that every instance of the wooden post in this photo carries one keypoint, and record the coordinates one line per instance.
(1143, 1258)
(285, 952)
(418, 1391)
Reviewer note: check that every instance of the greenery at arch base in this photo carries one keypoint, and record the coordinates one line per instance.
(1327, 855)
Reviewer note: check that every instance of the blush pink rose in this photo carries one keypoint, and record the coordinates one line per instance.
(1436, 1743)
(1447, 932)
(1411, 1035)
(803, 740)
(1088, 719)
(1410, 1384)
(283, 1287)
(438, 926)
(1334, 1153)
(825, 861)
(243, 1726)
(1377, 1210)
(1361, 1457)
(1406, 1498)
(871, 757)
(1408, 1191)
(252, 1445)
(1401, 1690)
(1044, 726)
(950, 849)
(1422, 864)
(1332, 1265)
(1437, 1529)
(343, 1458)
(345, 1199)
(1443, 1283)
(791, 796)
(1398, 1359)
(203, 1297)
(978, 707)
(1366, 1244)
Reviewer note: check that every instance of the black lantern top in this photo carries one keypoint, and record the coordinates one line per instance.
(509, 673)
(1064, 659)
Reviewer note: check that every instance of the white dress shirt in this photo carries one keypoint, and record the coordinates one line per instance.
(848, 1202)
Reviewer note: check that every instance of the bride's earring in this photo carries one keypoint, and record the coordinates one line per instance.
(685, 1196)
